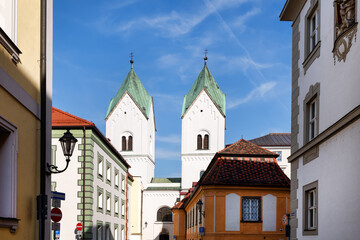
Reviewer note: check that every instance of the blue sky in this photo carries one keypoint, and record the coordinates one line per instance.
(249, 55)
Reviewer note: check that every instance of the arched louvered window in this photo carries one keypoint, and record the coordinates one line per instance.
(199, 141)
(123, 143)
(164, 214)
(206, 141)
(130, 143)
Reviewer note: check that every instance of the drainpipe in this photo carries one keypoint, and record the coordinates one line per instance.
(126, 204)
(83, 188)
(43, 202)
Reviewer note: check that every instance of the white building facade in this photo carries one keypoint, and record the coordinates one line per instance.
(325, 119)
(99, 203)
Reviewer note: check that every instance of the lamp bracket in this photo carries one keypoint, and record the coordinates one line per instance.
(54, 169)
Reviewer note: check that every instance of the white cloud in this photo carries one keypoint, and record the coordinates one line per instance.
(172, 24)
(168, 60)
(258, 92)
(168, 139)
(239, 21)
(167, 154)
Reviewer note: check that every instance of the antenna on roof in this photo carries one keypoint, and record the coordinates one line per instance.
(131, 59)
(205, 58)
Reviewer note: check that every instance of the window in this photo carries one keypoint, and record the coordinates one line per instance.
(251, 209)
(100, 166)
(123, 183)
(100, 200)
(122, 208)
(206, 141)
(99, 231)
(116, 178)
(313, 22)
(8, 28)
(116, 232)
(123, 233)
(127, 142)
(108, 172)
(202, 141)
(312, 119)
(279, 157)
(201, 173)
(108, 235)
(310, 215)
(164, 214)
(116, 206)
(311, 113)
(108, 202)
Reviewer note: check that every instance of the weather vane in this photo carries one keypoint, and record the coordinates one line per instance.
(205, 58)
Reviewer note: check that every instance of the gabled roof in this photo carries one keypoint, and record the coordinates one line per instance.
(61, 118)
(205, 81)
(246, 171)
(273, 139)
(245, 148)
(133, 86)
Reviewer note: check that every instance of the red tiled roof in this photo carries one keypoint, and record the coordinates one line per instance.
(184, 201)
(245, 171)
(245, 148)
(273, 139)
(61, 118)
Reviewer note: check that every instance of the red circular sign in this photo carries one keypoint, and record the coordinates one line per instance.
(79, 226)
(285, 220)
(56, 214)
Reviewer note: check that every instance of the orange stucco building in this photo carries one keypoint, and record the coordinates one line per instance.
(244, 195)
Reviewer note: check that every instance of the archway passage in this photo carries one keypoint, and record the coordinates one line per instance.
(164, 237)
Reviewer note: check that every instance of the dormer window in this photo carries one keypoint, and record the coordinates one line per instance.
(126, 142)
(203, 141)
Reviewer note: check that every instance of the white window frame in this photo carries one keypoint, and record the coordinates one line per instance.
(313, 22)
(279, 158)
(312, 119)
(8, 164)
(311, 210)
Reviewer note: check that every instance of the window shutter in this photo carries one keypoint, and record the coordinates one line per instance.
(123, 143)
(199, 142)
(130, 143)
(206, 141)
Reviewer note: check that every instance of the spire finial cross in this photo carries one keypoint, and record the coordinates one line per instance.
(205, 58)
(131, 59)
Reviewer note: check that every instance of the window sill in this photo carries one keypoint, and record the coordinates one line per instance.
(11, 223)
(10, 46)
(243, 221)
(310, 232)
(315, 53)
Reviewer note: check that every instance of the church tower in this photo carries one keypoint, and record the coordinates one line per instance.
(203, 126)
(130, 125)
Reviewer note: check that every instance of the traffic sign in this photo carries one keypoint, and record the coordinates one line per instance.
(56, 214)
(57, 195)
(79, 226)
(56, 226)
(285, 220)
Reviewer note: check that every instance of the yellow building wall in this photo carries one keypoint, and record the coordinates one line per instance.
(27, 75)
(136, 206)
(214, 199)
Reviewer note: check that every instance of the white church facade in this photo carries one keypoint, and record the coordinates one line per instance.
(130, 125)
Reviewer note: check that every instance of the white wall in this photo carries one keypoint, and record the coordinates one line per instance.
(339, 82)
(202, 115)
(152, 202)
(127, 118)
(337, 172)
(67, 182)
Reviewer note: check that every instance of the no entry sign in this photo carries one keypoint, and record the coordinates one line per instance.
(56, 214)
(79, 226)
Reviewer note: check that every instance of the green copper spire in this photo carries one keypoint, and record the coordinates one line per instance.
(133, 86)
(205, 81)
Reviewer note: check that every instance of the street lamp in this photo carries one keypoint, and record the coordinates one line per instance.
(67, 142)
(199, 205)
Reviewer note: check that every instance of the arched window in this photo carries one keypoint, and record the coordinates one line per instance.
(130, 143)
(206, 141)
(164, 214)
(123, 143)
(127, 142)
(199, 141)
